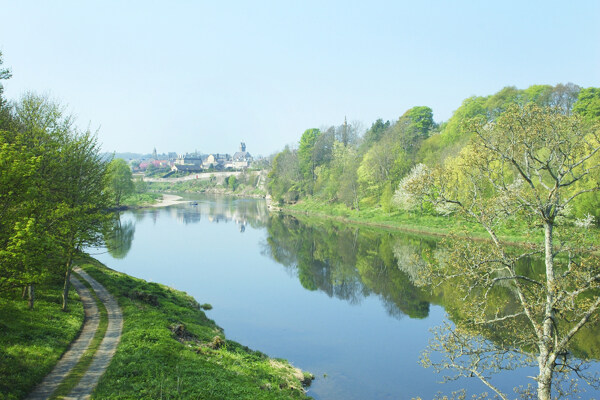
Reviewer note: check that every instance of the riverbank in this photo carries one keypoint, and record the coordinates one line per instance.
(171, 349)
(169, 200)
(440, 226)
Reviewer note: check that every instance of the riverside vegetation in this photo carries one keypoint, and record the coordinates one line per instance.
(520, 163)
(56, 193)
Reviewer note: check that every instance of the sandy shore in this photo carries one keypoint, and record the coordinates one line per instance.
(169, 200)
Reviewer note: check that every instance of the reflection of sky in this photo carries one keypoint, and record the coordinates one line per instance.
(364, 352)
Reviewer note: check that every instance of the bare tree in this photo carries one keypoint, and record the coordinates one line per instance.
(526, 167)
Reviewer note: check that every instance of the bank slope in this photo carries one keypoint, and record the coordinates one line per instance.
(169, 349)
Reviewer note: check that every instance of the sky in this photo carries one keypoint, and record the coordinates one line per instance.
(181, 76)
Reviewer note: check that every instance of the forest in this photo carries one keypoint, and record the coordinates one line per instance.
(526, 160)
(338, 165)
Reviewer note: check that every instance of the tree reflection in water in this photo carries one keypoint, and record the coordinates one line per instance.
(351, 263)
(118, 237)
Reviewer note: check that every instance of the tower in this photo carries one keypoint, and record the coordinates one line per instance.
(242, 146)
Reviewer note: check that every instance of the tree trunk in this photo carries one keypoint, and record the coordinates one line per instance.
(31, 291)
(24, 293)
(545, 384)
(67, 283)
(546, 360)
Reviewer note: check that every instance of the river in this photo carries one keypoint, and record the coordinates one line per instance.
(337, 301)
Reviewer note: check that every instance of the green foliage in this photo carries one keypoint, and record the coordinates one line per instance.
(232, 182)
(374, 134)
(285, 177)
(52, 197)
(120, 180)
(588, 103)
(357, 174)
(386, 198)
(307, 157)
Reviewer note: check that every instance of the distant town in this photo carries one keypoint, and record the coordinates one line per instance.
(167, 164)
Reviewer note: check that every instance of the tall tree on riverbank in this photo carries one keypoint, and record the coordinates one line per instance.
(82, 210)
(524, 167)
(120, 180)
(53, 200)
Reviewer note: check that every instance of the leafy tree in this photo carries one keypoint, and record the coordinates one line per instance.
(120, 180)
(525, 165)
(285, 176)
(374, 134)
(588, 103)
(408, 196)
(232, 182)
(564, 96)
(31, 161)
(377, 166)
(413, 127)
(435, 149)
(81, 212)
(538, 94)
(306, 156)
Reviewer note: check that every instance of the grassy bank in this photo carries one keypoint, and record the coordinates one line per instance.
(137, 200)
(32, 341)
(171, 350)
(414, 222)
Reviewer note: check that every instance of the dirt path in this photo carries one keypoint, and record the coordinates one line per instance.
(78, 347)
(103, 355)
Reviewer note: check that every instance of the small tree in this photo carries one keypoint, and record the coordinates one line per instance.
(524, 166)
(120, 180)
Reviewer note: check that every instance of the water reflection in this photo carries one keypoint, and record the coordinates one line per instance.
(351, 263)
(215, 209)
(119, 237)
(323, 312)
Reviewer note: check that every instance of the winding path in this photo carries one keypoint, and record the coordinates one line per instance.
(103, 355)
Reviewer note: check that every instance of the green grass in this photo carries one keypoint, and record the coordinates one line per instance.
(415, 222)
(31, 342)
(141, 199)
(73, 378)
(169, 350)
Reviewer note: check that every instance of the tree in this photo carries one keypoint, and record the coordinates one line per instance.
(120, 180)
(588, 103)
(523, 167)
(31, 151)
(82, 201)
(285, 177)
(374, 134)
(407, 196)
(306, 156)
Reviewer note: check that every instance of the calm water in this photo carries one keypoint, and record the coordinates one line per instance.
(338, 302)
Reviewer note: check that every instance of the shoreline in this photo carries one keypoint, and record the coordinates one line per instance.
(169, 331)
(169, 200)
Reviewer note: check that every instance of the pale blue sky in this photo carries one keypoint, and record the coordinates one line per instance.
(187, 75)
